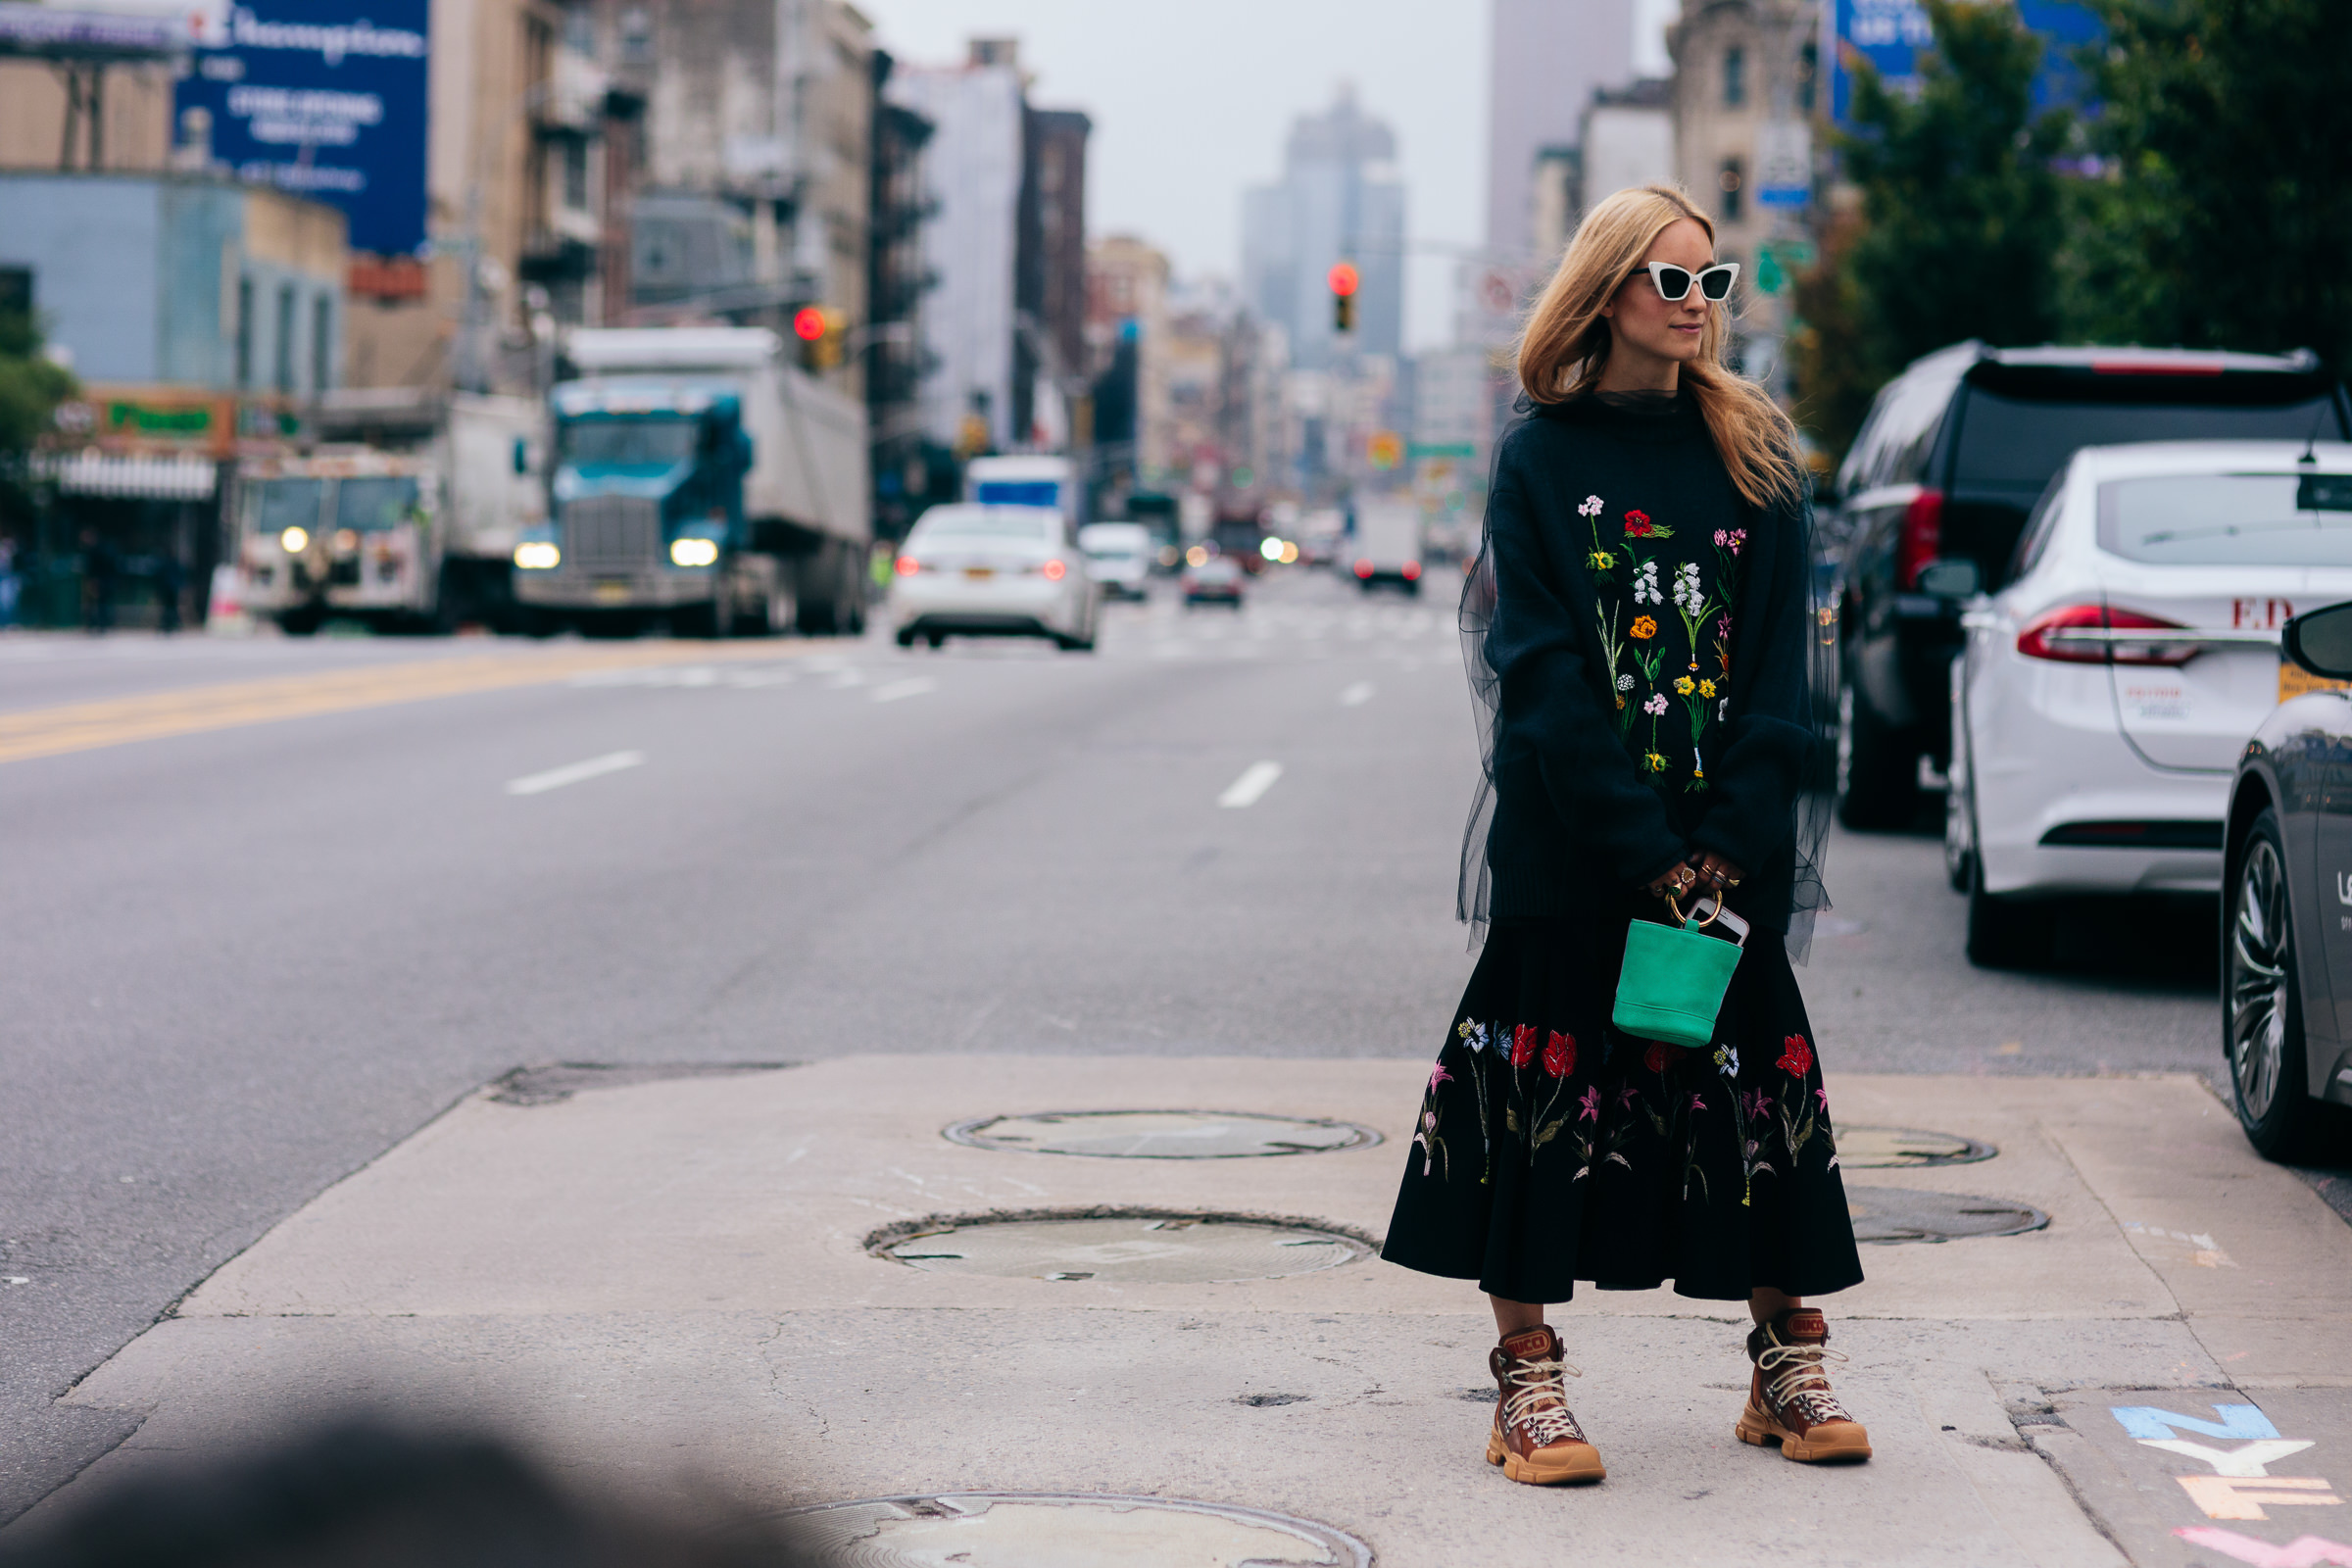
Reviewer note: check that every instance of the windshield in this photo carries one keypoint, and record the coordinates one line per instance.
(638, 443)
(284, 504)
(370, 505)
(2228, 519)
(993, 522)
(2017, 443)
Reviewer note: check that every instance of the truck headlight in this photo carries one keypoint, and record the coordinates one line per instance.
(694, 551)
(537, 556)
(294, 541)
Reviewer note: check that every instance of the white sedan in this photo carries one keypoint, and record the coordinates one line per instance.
(2105, 693)
(978, 570)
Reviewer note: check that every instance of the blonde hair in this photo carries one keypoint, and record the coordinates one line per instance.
(1566, 341)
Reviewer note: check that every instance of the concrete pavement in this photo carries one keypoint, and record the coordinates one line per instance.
(668, 1284)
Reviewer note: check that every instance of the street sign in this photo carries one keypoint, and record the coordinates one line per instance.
(1785, 163)
(305, 96)
(1892, 35)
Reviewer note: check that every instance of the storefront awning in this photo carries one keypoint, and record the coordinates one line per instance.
(136, 478)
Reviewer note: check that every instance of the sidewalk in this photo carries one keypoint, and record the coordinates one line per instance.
(670, 1278)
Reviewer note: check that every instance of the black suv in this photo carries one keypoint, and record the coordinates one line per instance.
(1931, 498)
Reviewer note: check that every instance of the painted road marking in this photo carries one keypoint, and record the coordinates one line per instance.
(1357, 695)
(1255, 780)
(913, 686)
(2304, 1551)
(554, 778)
(2238, 1497)
(119, 721)
(2254, 1459)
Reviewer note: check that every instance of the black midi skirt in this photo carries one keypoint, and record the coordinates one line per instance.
(1550, 1148)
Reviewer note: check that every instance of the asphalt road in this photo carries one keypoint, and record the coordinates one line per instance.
(243, 963)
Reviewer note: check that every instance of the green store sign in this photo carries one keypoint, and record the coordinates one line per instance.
(146, 421)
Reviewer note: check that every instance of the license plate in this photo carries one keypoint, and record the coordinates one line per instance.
(979, 573)
(613, 591)
(2295, 680)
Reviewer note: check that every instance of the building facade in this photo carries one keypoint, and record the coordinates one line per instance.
(1743, 101)
(1126, 333)
(1547, 56)
(904, 463)
(1339, 200)
(1049, 360)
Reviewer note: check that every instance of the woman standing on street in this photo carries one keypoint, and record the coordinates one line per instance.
(1641, 644)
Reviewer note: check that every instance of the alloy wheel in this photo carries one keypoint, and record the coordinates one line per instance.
(2258, 978)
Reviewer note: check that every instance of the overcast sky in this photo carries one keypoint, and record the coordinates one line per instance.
(1191, 101)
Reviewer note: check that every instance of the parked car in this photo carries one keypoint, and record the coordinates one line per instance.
(1933, 494)
(2287, 941)
(1212, 580)
(1120, 556)
(2105, 695)
(980, 570)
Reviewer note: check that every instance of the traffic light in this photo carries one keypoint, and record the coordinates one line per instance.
(1342, 279)
(820, 330)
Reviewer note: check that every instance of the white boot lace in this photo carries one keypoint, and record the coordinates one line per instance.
(1803, 1384)
(1538, 1403)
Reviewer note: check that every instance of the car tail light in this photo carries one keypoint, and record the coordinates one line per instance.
(1922, 538)
(1412, 572)
(1055, 570)
(2045, 637)
(1363, 568)
(909, 565)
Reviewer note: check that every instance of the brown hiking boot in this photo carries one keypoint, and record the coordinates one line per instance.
(1536, 1438)
(1788, 1398)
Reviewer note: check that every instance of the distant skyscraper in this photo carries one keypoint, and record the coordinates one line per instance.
(1549, 56)
(1339, 200)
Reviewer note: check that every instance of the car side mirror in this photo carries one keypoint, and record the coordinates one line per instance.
(1953, 578)
(2320, 641)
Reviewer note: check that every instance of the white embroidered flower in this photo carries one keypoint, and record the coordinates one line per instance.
(1726, 1057)
(1625, 683)
(1723, 707)
(1687, 595)
(1590, 508)
(1645, 585)
(1656, 705)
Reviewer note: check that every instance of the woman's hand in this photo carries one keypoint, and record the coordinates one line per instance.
(1702, 873)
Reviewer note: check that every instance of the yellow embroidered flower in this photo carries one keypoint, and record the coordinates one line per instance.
(1656, 762)
(1646, 627)
(1600, 561)
(1620, 705)
(1682, 686)
(1706, 688)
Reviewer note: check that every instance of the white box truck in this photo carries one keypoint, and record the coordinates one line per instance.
(1386, 545)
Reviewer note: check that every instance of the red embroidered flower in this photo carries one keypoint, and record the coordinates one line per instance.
(1523, 1044)
(1637, 525)
(1654, 1058)
(1559, 1056)
(1795, 1056)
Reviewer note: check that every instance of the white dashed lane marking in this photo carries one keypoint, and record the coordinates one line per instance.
(554, 778)
(914, 686)
(1255, 780)
(1357, 695)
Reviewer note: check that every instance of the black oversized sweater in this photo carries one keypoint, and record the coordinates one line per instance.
(1581, 815)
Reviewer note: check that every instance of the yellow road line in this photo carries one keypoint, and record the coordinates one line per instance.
(153, 715)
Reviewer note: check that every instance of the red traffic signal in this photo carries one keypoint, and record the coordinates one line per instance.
(808, 323)
(1343, 278)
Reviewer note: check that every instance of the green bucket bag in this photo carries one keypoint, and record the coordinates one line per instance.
(1672, 984)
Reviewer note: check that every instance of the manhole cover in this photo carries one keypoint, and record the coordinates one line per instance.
(1898, 1214)
(1161, 1134)
(1907, 1146)
(1132, 1248)
(1040, 1530)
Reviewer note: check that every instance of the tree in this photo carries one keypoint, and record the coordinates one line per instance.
(1963, 211)
(1831, 385)
(30, 385)
(2228, 219)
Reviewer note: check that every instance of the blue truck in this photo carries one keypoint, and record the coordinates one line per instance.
(700, 485)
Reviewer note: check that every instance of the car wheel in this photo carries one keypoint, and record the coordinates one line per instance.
(906, 637)
(2261, 1004)
(1878, 775)
(1960, 833)
(2006, 933)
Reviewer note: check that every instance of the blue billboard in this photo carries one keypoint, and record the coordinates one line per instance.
(326, 99)
(1892, 35)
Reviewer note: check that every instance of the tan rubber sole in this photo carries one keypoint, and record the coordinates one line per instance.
(1843, 1441)
(1580, 1466)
